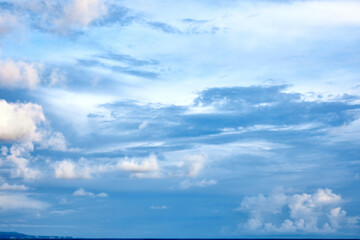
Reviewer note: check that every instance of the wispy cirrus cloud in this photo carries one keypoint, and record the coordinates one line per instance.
(16, 201)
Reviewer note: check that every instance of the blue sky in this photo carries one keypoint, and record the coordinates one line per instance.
(213, 119)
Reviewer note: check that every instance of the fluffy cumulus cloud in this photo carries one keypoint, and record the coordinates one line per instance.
(19, 121)
(320, 212)
(68, 169)
(80, 13)
(147, 168)
(147, 165)
(19, 74)
(81, 192)
(18, 158)
(20, 124)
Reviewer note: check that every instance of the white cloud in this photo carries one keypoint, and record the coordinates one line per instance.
(53, 140)
(19, 201)
(19, 121)
(19, 74)
(146, 168)
(196, 162)
(146, 175)
(67, 169)
(149, 164)
(203, 183)
(347, 133)
(81, 192)
(80, 13)
(159, 207)
(318, 212)
(6, 186)
(143, 125)
(57, 77)
(18, 156)
(7, 23)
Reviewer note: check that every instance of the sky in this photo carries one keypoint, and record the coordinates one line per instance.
(164, 118)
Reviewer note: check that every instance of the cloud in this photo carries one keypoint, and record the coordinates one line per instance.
(239, 109)
(7, 23)
(67, 169)
(203, 183)
(196, 163)
(137, 167)
(53, 140)
(16, 187)
(21, 124)
(143, 125)
(164, 27)
(80, 13)
(149, 164)
(81, 192)
(308, 213)
(348, 132)
(18, 156)
(19, 121)
(163, 207)
(57, 77)
(129, 70)
(127, 59)
(20, 201)
(146, 168)
(19, 74)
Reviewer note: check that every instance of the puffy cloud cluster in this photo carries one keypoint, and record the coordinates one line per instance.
(19, 156)
(81, 192)
(318, 212)
(20, 124)
(19, 74)
(139, 168)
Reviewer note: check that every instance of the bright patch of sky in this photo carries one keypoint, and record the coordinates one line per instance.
(177, 119)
